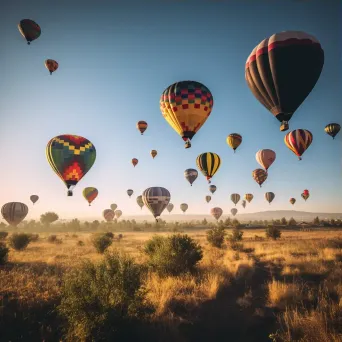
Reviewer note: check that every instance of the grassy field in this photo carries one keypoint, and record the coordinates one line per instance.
(262, 290)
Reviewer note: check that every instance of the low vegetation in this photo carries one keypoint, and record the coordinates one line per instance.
(215, 236)
(19, 241)
(101, 242)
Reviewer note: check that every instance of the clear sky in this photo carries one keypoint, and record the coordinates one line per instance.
(115, 59)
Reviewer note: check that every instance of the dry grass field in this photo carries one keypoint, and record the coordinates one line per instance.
(261, 290)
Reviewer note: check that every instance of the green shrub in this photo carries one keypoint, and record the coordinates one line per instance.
(33, 237)
(173, 255)
(3, 235)
(273, 233)
(120, 236)
(101, 242)
(236, 235)
(110, 235)
(19, 241)
(97, 299)
(54, 239)
(3, 253)
(215, 236)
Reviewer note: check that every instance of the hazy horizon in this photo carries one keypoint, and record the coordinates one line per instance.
(114, 63)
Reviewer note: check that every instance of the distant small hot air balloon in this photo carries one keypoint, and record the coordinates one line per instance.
(34, 198)
(269, 197)
(118, 213)
(265, 158)
(135, 161)
(140, 202)
(113, 206)
(212, 188)
(130, 192)
(51, 65)
(243, 203)
(169, 207)
(292, 200)
(298, 141)
(306, 191)
(208, 198)
(29, 29)
(14, 212)
(305, 194)
(190, 175)
(235, 198)
(332, 129)
(153, 153)
(208, 163)
(259, 176)
(90, 193)
(184, 207)
(248, 197)
(234, 140)
(216, 212)
(234, 211)
(142, 126)
(108, 215)
(156, 200)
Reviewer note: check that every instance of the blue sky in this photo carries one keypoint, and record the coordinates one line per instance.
(115, 61)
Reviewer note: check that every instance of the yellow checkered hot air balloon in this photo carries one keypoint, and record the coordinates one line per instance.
(234, 140)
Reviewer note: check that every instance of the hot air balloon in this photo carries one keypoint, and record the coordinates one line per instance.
(332, 129)
(269, 197)
(190, 175)
(29, 29)
(305, 196)
(234, 211)
(292, 201)
(259, 176)
(169, 207)
(113, 206)
(208, 198)
(282, 70)
(248, 197)
(243, 203)
(298, 141)
(212, 188)
(208, 163)
(140, 202)
(118, 213)
(34, 198)
(108, 215)
(142, 126)
(90, 194)
(135, 161)
(186, 106)
(153, 153)
(51, 65)
(14, 212)
(156, 199)
(71, 157)
(265, 158)
(235, 198)
(234, 140)
(130, 192)
(184, 207)
(216, 212)
(306, 191)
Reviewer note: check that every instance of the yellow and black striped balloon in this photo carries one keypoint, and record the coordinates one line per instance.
(332, 129)
(208, 163)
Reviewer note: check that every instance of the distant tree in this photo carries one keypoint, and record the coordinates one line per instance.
(292, 222)
(332, 222)
(215, 236)
(265, 223)
(316, 221)
(227, 222)
(283, 221)
(235, 223)
(255, 222)
(273, 233)
(75, 225)
(94, 225)
(204, 222)
(48, 218)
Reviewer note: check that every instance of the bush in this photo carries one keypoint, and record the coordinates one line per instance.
(110, 235)
(273, 233)
(174, 254)
(3, 253)
(80, 243)
(33, 237)
(54, 239)
(215, 236)
(236, 246)
(97, 299)
(236, 235)
(120, 236)
(19, 241)
(101, 242)
(3, 235)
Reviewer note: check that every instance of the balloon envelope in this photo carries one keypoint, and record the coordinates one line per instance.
(90, 193)
(190, 175)
(234, 211)
(265, 158)
(234, 140)
(259, 176)
(208, 198)
(269, 196)
(118, 213)
(154, 153)
(249, 197)
(184, 207)
(169, 207)
(216, 212)
(332, 129)
(208, 163)
(298, 141)
(108, 215)
(34, 198)
(113, 206)
(130, 192)
(140, 201)
(142, 126)
(14, 212)
(29, 29)
(235, 198)
(51, 65)
(156, 199)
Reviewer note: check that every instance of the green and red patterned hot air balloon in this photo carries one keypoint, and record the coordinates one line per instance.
(90, 193)
(14, 212)
(71, 157)
(29, 29)
(282, 70)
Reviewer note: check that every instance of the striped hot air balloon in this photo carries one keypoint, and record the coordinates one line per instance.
(269, 196)
(235, 198)
(90, 193)
(208, 163)
(332, 129)
(14, 212)
(216, 212)
(142, 126)
(298, 141)
(169, 207)
(259, 176)
(156, 200)
(108, 215)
